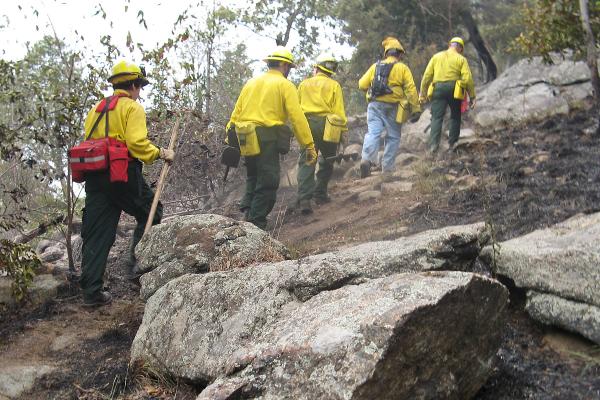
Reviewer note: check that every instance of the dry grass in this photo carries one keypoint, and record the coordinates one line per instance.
(428, 181)
(266, 253)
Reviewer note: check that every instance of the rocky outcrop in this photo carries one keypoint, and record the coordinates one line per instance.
(201, 243)
(561, 261)
(346, 324)
(531, 90)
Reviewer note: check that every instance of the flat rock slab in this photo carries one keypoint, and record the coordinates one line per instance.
(562, 260)
(201, 243)
(18, 379)
(396, 187)
(334, 324)
(570, 315)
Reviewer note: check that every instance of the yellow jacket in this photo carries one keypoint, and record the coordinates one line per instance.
(322, 95)
(400, 81)
(127, 124)
(448, 65)
(269, 100)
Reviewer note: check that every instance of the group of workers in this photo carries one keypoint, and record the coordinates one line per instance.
(258, 128)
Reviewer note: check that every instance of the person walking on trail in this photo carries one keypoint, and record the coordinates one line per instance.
(445, 80)
(322, 101)
(121, 117)
(392, 97)
(257, 127)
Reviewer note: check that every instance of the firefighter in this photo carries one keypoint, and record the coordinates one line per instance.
(390, 89)
(445, 80)
(323, 104)
(257, 126)
(104, 200)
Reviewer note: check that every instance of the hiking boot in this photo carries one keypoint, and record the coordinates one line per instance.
(365, 169)
(322, 200)
(305, 207)
(99, 299)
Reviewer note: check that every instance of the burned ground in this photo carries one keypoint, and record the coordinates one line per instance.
(520, 180)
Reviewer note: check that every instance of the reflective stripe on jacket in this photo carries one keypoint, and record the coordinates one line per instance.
(127, 124)
(268, 100)
(448, 65)
(400, 81)
(322, 95)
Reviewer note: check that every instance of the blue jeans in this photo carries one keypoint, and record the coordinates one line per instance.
(382, 116)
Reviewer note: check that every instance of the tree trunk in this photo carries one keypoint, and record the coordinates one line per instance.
(478, 43)
(592, 57)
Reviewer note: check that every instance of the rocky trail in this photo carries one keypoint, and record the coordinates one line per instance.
(393, 252)
(523, 180)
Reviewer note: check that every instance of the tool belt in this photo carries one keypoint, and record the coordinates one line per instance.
(248, 137)
(95, 155)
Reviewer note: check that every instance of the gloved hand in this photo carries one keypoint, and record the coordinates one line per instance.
(311, 154)
(472, 103)
(167, 155)
(422, 99)
(415, 117)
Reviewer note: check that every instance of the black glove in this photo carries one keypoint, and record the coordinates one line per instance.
(415, 117)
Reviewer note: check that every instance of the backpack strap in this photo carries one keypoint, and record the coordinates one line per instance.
(104, 112)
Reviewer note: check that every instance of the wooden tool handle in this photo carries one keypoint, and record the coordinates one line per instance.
(163, 176)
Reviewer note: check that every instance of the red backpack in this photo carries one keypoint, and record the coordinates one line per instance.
(93, 155)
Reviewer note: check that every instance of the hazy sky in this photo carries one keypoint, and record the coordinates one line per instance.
(74, 18)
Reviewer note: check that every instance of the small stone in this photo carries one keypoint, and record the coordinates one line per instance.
(369, 195)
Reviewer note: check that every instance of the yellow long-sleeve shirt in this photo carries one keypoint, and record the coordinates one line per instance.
(448, 65)
(321, 95)
(269, 100)
(400, 80)
(127, 124)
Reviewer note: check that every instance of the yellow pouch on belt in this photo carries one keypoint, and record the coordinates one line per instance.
(403, 111)
(334, 125)
(247, 138)
(459, 90)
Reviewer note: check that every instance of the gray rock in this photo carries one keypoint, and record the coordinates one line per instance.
(18, 379)
(231, 308)
(43, 245)
(561, 260)
(43, 288)
(531, 90)
(396, 187)
(405, 159)
(201, 243)
(52, 254)
(369, 195)
(384, 338)
(567, 314)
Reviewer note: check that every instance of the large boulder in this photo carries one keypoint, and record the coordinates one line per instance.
(335, 325)
(531, 90)
(201, 243)
(562, 261)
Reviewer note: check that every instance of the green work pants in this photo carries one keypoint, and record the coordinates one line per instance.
(262, 179)
(443, 95)
(307, 187)
(104, 202)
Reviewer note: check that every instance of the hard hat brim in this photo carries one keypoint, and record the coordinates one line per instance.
(278, 58)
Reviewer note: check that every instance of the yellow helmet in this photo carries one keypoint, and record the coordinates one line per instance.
(458, 40)
(390, 43)
(281, 54)
(124, 71)
(326, 62)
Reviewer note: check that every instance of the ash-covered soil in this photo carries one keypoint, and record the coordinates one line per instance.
(520, 180)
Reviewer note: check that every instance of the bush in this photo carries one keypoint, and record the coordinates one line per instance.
(19, 262)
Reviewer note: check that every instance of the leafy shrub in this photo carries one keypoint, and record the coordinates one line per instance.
(19, 262)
